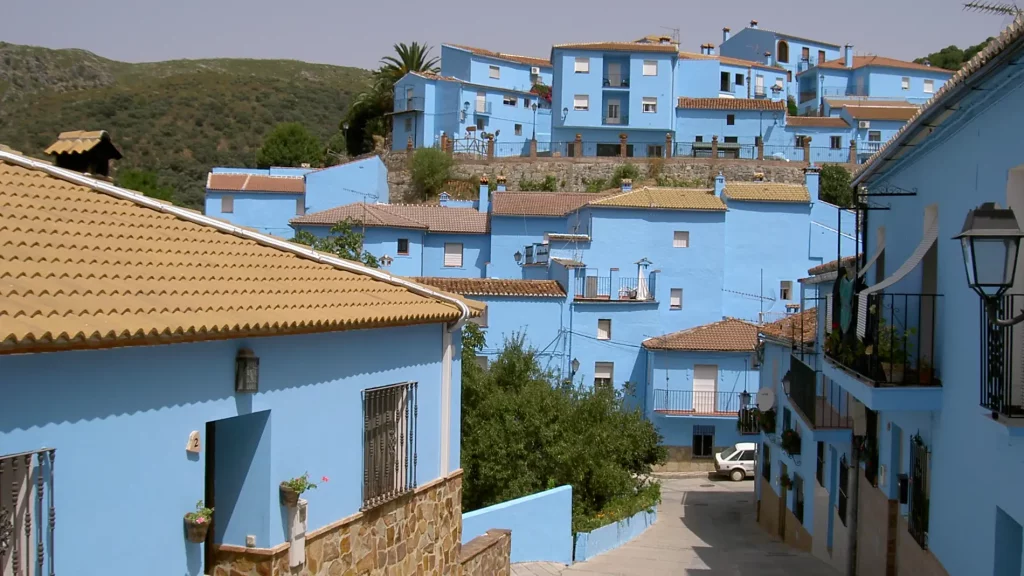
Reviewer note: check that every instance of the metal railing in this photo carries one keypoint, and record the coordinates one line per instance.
(1002, 360)
(729, 87)
(747, 422)
(844, 479)
(784, 152)
(825, 405)
(512, 149)
(482, 108)
(868, 146)
(620, 120)
(630, 289)
(894, 343)
(696, 402)
(389, 443)
(917, 509)
(27, 513)
(596, 287)
(593, 287)
(616, 81)
(414, 103)
(827, 154)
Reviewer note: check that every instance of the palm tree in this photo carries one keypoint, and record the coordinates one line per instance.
(414, 57)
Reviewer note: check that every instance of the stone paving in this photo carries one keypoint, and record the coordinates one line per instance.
(704, 528)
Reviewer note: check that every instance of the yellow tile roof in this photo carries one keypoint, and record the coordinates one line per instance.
(664, 198)
(84, 268)
(766, 192)
(78, 141)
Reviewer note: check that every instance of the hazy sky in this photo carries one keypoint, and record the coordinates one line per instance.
(359, 33)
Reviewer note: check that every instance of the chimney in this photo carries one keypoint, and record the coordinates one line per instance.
(485, 191)
(664, 40)
(88, 152)
(501, 183)
(768, 58)
(703, 48)
(627, 184)
(812, 175)
(725, 35)
(711, 49)
(719, 184)
(848, 56)
(753, 24)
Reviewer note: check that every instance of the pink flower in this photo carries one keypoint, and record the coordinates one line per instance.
(324, 479)
(200, 520)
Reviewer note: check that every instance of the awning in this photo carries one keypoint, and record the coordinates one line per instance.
(880, 246)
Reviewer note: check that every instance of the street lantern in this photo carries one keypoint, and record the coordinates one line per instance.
(518, 256)
(247, 371)
(991, 240)
(575, 365)
(786, 382)
(744, 399)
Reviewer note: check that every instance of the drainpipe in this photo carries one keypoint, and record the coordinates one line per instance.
(851, 512)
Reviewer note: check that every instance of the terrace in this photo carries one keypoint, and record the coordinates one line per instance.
(590, 285)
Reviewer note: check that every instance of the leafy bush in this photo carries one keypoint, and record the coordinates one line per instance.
(144, 181)
(342, 241)
(290, 144)
(595, 184)
(523, 433)
(673, 182)
(834, 185)
(548, 184)
(622, 172)
(791, 108)
(430, 169)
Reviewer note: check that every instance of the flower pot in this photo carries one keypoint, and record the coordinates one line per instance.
(289, 497)
(893, 372)
(196, 531)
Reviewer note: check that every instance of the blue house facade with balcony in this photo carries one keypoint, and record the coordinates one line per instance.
(791, 53)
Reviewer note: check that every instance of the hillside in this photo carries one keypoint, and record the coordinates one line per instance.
(176, 118)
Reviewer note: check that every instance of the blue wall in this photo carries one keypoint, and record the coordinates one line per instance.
(475, 255)
(541, 525)
(311, 405)
(544, 321)
(611, 536)
(381, 241)
(265, 212)
(363, 180)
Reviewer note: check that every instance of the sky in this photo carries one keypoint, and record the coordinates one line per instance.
(358, 34)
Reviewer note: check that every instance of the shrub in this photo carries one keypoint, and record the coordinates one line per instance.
(791, 108)
(548, 184)
(834, 185)
(596, 184)
(624, 171)
(430, 169)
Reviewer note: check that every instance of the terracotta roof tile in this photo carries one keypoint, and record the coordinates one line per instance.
(802, 325)
(228, 182)
(729, 335)
(496, 287)
(730, 61)
(79, 141)
(527, 60)
(766, 192)
(619, 47)
(540, 203)
(660, 198)
(831, 266)
(81, 268)
(431, 217)
(880, 113)
(753, 104)
(881, 61)
(817, 121)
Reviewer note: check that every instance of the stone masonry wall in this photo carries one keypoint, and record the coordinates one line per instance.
(417, 534)
(911, 559)
(680, 459)
(768, 518)
(572, 175)
(488, 555)
(876, 531)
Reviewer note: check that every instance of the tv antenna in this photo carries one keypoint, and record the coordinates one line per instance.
(995, 8)
(675, 33)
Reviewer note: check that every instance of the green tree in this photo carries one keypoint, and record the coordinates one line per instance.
(791, 108)
(144, 181)
(430, 168)
(290, 144)
(953, 58)
(834, 186)
(334, 151)
(342, 241)
(413, 57)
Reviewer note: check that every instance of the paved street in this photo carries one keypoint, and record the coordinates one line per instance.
(704, 528)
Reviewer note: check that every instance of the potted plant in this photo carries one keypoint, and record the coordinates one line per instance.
(894, 350)
(766, 420)
(785, 482)
(925, 371)
(292, 489)
(791, 442)
(198, 523)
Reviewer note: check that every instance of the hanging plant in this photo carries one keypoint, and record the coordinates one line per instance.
(786, 482)
(791, 442)
(197, 523)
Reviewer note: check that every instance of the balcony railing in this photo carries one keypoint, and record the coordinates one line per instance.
(747, 420)
(759, 91)
(630, 289)
(917, 517)
(620, 120)
(824, 405)
(536, 255)
(27, 512)
(893, 344)
(625, 289)
(1002, 364)
(686, 402)
(411, 104)
(868, 146)
(483, 108)
(616, 81)
(729, 87)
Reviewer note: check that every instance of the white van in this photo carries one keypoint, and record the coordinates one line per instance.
(737, 461)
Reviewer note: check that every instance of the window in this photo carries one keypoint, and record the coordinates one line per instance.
(739, 79)
(786, 290)
(874, 135)
(766, 463)
(731, 140)
(519, 129)
(453, 255)
(480, 124)
(835, 142)
(782, 51)
(724, 81)
(650, 67)
(389, 443)
(730, 119)
(403, 246)
(482, 362)
(787, 419)
(604, 329)
(703, 441)
(821, 56)
(510, 101)
(526, 102)
(408, 124)
(798, 497)
(789, 76)
(675, 299)
(905, 83)
(779, 83)
(650, 105)
(300, 206)
(655, 151)
(819, 472)
(844, 473)
(603, 372)
(581, 102)
(698, 138)
(227, 204)
(929, 86)
(481, 320)
(582, 66)
(680, 239)
(759, 85)
(805, 53)
(800, 139)
(494, 72)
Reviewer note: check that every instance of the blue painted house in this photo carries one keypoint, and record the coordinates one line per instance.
(792, 53)
(165, 357)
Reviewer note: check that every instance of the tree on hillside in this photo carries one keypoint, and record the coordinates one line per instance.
(290, 144)
(430, 168)
(342, 241)
(414, 57)
(834, 186)
(953, 58)
(144, 181)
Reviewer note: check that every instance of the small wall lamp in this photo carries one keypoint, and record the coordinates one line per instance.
(386, 260)
(786, 382)
(565, 112)
(991, 241)
(744, 399)
(575, 365)
(247, 371)
(518, 257)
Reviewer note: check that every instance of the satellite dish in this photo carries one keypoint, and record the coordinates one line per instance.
(765, 399)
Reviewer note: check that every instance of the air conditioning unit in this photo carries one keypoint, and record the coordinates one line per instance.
(535, 70)
(864, 124)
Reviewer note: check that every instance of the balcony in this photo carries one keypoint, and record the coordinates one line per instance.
(748, 420)
(483, 108)
(27, 513)
(619, 120)
(887, 355)
(868, 147)
(823, 406)
(612, 288)
(760, 91)
(411, 104)
(616, 81)
(691, 403)
(1002, 377)
(728, 87)
(536, 255)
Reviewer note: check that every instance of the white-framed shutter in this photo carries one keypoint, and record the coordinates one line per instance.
(604, 329)
(453, 255)
(581, 102)
(603, 370)
(650, 67)
(705, 384)
(681, 239)
(676, 298)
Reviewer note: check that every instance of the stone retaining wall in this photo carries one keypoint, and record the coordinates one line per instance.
(768, 515)
(680, 459)
(488, 555)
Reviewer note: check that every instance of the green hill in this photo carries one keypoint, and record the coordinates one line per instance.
(176, 118)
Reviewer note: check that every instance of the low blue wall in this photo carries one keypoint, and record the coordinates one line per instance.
(610, 537)
(541, 525)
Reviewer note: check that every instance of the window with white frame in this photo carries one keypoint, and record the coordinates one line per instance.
(786, 290)
(227, 204)
(581, 102)
(675, 299)
(300, 206)
(510, 101)
(494, 72)
(650, 67)
(874, 135)
(929, 86)
(603, 372)
(582, 66)
(389, 443)
(650, 104)
(680, 239)
(604, 329)
(905, 83)
(453, 254)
